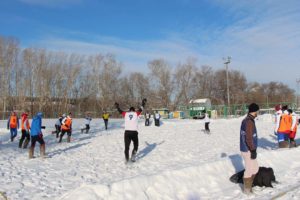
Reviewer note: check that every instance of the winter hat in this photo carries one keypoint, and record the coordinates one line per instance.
(253, 107)
(131, 108)
(284, 107)
(290, 111)
(39, 114)
(278, 107)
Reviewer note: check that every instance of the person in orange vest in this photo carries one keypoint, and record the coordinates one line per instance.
(25, 128)
(295, 123)
(13, 125)
(66, 127)
(283, 128)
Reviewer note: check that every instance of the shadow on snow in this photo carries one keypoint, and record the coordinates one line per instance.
(144, 152)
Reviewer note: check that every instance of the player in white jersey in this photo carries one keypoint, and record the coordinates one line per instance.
(131, 127)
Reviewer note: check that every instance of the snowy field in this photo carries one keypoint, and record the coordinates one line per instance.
(175, 161)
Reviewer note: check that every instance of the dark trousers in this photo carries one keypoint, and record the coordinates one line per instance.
(37, 138)
(207, 126)
(57, 130)
(147, 122)
(105, 122)
(128, 137)
(156, 122)
(87, 128)
(26, 135)
(69, 133)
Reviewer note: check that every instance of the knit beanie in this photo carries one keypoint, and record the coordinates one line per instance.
(253, 107)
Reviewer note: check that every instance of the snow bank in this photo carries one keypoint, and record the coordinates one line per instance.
(206, 181)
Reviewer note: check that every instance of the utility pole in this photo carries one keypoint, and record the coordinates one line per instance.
(226, 62)
(297, 93)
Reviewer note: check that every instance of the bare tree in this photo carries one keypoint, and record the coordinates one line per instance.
(140, 86)
(185, 80)
(108, 70)
(204, 82)
(8, 56)
(161, 82)
(56, 82)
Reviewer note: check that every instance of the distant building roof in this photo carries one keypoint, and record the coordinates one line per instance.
(204, 101)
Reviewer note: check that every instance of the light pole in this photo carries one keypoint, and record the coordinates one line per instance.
(297, 93)
(226, 62)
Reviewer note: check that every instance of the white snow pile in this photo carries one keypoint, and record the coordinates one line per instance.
(175, 161)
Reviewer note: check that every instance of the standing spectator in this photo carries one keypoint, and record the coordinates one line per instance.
(206, 122)
(88, 120)
(105, 117)
(278, 113)
(156, 118)
(25, 128)
(13, 125)
(131, 126)
(295, 123)
(248, 146)
(66, 127)
(37, 135)
(147, 118)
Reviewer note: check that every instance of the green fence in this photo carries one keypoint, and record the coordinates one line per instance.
(235, 110)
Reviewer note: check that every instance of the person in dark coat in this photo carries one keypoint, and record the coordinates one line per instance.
(248, 146)
(147, 118)
(156, 118)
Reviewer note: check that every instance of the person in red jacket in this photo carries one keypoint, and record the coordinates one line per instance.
(131, 126)
(25, 128)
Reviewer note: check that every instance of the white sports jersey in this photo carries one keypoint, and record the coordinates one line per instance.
(206, 118)
(157, 116)
(131, 121)
(88, 120)
(295, 118)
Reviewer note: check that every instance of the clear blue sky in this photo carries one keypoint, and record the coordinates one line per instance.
(261, 36)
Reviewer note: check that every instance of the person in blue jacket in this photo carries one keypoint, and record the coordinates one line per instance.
(37, 135)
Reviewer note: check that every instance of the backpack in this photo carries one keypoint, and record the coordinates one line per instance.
(264, 177)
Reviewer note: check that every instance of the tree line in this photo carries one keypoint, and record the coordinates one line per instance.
(53, 82)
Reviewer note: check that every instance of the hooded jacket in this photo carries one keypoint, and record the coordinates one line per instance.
(36, 125)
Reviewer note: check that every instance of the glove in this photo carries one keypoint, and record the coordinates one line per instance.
(116, 105)
(144, 101)
(43, 127)
(253, 154)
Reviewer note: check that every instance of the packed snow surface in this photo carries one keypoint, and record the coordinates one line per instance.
(175, 161)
